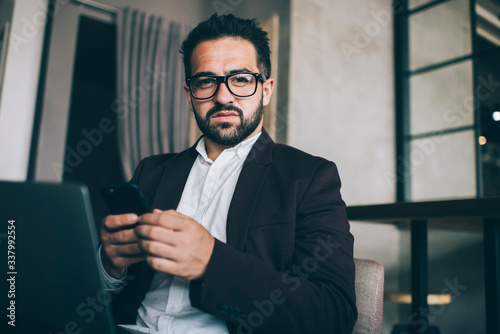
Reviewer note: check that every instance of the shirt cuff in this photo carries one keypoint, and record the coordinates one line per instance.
(110, 283)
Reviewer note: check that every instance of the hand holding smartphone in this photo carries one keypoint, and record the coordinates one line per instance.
(119, 228)
(125, 198)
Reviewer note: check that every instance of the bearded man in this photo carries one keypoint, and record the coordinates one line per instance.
(248, 236)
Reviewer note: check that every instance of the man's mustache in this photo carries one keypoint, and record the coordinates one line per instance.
(221, 107)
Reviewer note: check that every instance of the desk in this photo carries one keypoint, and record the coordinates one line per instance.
(468, 214)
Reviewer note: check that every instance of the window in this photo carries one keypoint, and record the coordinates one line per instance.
(447, 98)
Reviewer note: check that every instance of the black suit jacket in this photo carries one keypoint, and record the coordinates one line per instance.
(287, 266)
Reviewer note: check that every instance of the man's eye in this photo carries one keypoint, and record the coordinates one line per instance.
(204, 82)
(242, 79)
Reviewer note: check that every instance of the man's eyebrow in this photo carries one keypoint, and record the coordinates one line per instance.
(239, 70)
(203, 73)
(244, 69)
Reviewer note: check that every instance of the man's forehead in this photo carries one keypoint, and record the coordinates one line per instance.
(224, 55)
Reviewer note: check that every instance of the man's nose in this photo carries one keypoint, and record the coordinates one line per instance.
(223, 95)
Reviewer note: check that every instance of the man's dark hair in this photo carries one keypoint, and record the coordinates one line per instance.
(228, 26)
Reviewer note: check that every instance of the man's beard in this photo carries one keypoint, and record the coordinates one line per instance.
(234, 134)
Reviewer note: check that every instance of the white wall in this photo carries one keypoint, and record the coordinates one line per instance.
(341, 107)
(341, 91)
(20, 87)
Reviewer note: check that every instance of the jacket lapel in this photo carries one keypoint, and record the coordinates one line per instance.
(168, 195)
(247, 191)
(173, 180)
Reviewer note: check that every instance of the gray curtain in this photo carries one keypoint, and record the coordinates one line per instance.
(152, 110)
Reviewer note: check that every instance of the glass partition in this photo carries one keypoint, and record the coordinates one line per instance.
(439, 34)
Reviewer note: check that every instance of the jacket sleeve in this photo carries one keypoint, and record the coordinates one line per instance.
(314, 295)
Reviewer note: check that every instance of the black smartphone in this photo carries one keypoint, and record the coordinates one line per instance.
(125, 198)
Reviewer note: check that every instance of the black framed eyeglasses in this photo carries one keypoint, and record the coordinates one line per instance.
(242, 84)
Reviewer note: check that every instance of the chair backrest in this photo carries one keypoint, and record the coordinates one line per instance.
(369, 287)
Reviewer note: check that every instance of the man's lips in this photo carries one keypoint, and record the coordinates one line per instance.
(225, 115)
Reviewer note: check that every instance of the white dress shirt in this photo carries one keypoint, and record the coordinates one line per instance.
(166, 308)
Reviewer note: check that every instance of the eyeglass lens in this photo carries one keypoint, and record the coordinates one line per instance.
(240, 84)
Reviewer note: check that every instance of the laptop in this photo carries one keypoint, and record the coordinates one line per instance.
(50, 277)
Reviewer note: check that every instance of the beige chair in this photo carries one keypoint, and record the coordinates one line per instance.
(369, 287)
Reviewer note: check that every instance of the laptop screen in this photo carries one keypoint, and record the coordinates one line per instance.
(51, 277)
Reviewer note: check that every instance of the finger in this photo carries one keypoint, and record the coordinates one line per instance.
(156, 233)
(114, 222)
(174, 213)
(167, 219)
(130, 250)
(149, 218)
(163, 265)
(157, 211)
(170, 219)
(173, 267)
(178, 214)
(136, 259)
(122, 237)
(155, 248)
(174, 220)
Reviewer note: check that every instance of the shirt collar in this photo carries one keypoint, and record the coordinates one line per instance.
(241, 150)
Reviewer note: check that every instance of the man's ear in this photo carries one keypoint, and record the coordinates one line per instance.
(188, 96)
(267, 91)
